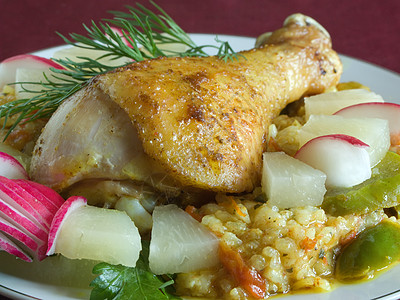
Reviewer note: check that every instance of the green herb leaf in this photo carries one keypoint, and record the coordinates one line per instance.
(120, 282)
(145, 35)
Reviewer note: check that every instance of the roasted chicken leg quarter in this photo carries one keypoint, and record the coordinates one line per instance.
(185, 123)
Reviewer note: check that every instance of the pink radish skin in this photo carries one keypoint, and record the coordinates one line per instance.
(18, 235)
(36, 192)
(49, 193)
(69, 206)
(344, 159)
(19, 220)
(387, 111)
(9, 246)
(11, 168)
(9, 66)
(27, 210)
(16, 197)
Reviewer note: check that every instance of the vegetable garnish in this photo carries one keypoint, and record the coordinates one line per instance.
(145, 35)
(119, 282)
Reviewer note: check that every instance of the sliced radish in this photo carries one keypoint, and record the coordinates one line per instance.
(374, 132)
(387, 111)
(9, 66)
(23, 159)
(26, 215)
(82, 231)
(18, 235)
(344, 159)
(179, 243)
(47, 192)
(9, 246)
(11, 168)
(65, 210)
(43, 194)
(289, 182)
(329, 103)
(135, 210)
(16, 197)
(15, 217)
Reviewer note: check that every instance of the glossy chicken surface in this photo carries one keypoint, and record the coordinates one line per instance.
(193, 123)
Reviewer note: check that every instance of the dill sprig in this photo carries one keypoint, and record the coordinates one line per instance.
(136, 35)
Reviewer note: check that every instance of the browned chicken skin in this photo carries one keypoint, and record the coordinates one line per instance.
(204, 121)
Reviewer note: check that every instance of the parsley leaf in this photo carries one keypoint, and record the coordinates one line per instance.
(120, 282)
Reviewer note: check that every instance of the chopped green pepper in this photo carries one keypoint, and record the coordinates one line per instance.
(373, 249)
(382, 190)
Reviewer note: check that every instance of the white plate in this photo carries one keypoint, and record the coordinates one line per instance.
(20, 280)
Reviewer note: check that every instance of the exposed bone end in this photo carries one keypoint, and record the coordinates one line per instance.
(298, 19)
(304, 20)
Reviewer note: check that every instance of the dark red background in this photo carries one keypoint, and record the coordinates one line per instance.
(366, 29)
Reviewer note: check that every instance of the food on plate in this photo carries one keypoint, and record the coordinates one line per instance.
(343, 158)
(372, 131)
(237, 176)
(283, 177)
(114, 238)
(331, 102)
(194, 123)
(374, 249)
(26, 212)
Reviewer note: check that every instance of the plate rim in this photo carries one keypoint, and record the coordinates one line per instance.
(11, 292)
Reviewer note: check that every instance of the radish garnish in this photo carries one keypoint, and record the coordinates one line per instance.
(387, 111)
(289, 182)
(11, 168)
(65, 210)
(49, 198)
(17, 218)
(17, 197)
(81, 231)
(179, 243)
(18, 235)
(9, 66)
(9, 246)
(48, 194)
(26, 212)
(343, 158)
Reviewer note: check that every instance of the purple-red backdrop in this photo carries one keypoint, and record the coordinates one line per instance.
(366, 29)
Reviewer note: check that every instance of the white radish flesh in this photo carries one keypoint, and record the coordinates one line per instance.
(22, 158)
(11, 167)
(24, 76)
(89, 232)
(25, 216)
(329, 103)
(17, 197)
(179, 243)
(15, 217)
(288, 182)
(387, 111)
(374, 132)
(344, 159)
(9, 66)
(59, 218)
(136, 212)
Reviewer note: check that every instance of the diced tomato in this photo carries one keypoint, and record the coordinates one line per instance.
(308, 244)
(248, 278)
(191, 210)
